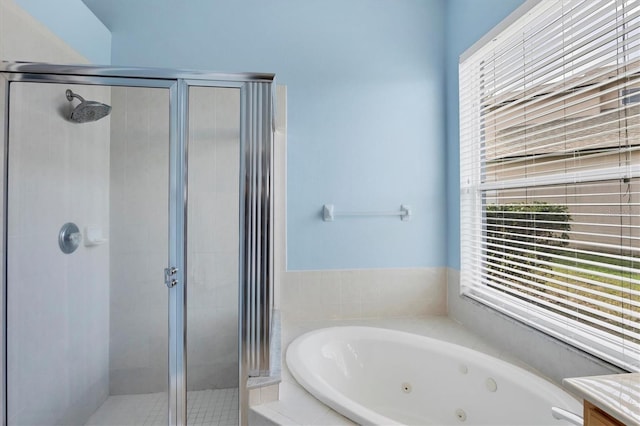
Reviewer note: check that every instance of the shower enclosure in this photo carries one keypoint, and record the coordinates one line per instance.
(136, 255)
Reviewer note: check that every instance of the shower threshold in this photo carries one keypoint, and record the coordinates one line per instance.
(217, 407)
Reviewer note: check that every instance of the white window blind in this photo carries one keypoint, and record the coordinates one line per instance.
(550, 174)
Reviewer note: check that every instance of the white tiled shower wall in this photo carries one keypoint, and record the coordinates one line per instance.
(139, 203)
(213, 237)
(63, 284)
(59, 173)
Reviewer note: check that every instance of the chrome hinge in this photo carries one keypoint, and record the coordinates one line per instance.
(169, 276)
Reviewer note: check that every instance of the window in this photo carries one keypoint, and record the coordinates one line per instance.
(550, 174)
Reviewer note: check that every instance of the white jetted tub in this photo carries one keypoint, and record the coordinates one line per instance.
(377, 376)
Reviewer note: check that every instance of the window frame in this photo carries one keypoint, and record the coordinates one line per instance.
(473, 189)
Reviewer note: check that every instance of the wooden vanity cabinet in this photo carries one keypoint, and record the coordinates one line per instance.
(593, 416)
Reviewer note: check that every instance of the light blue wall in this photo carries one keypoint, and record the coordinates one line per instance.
(74, 23)
(366, 109)
(466, 22)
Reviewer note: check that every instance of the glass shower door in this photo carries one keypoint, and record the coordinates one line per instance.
(87, 243)
(213, 255)
(96, 220)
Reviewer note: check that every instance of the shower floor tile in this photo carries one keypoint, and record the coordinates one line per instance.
(217, 407)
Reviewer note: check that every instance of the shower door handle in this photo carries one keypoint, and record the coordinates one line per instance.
(170, 277)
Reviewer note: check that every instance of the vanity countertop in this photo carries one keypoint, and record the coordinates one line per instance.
(617, 394)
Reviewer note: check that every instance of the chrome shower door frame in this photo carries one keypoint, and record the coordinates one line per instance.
(178, 83)
(176, 249)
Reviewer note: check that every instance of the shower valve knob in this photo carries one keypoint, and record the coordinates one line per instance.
(69, 238)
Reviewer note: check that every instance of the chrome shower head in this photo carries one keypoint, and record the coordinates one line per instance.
(87, 111)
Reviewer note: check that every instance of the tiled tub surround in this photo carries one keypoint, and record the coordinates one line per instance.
(297, 407)
(382, 298)
(359, 294)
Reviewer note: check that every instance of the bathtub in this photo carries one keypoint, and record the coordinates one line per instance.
(377, 376)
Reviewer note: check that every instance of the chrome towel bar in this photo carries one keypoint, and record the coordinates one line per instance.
(329, 213)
